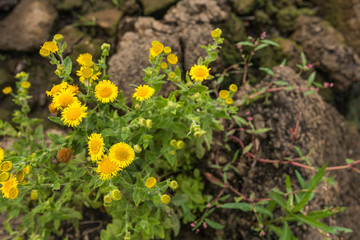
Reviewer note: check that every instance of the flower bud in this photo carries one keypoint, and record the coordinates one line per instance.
(137, 106)
(180, 144)
(172, 152)
(165, 199)
(58, 37)
(107, 199)
(20, 176)
(6, 166)
(149, 123)
(115, 195)
(142, 122)
(4, 176)
(27, 169)
(150, 182)
(34, 195)
(189, 84)
(137, 148)
(174, 184)
(105, 46)
(197, 134)
(173, 142)
(64, 155)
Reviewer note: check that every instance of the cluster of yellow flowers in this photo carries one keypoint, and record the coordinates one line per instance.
(47, 48)
(9, 181)
(120, 156)
(225, 94)
(165, 198)
(24, 84)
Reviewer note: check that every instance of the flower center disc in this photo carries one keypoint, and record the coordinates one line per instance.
(142, 92)
(200, 73)
(87, 72)
(95, 146)
(66, 100)
(122, 154)
(73, 114)
(105, 92)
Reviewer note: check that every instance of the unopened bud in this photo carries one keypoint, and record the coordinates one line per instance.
(137, 148)
(107, 199)
(173, 142)
(174, 184)
(58, 37)
(115, 195)
(149, 123)
(34, 195)
(142, 122)
(105, 46)
(20, 176)
(137, 106)
(180, 144)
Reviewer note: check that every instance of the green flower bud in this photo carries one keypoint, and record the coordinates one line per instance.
(173, 142)
(174, 184)
(137, 148)
(107, 199)
(172, 152)
(180, 144)
(149, 123)
(105, 46)
(34, 195)
(137, 106)
(115, 195)
(58, 37)
(142, 122)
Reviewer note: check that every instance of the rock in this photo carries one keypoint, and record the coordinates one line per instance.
(67, 5)
(127, 65)
(321, 128)
(243, 6)
(106, 19)
(27, 27)
(151, 6)
(325, 49)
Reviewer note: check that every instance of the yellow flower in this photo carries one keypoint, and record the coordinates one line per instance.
(13, 192)
(96, 146)
(143, 92)
(233, 88)
(73, 114)
(64, 155)
(64, 98)
(51, 46)
(156, 49)
(56, 88)
(6, 166)
(107, 199)
(25, 84)
(228, 101)
(150, 182)
(52, 108)
(115, 194)
(20, 176)
(174, 184)
(153, 43)
(2, 154)
(224, 94)
(165, 199)
(7, 90)
(106, 91)
(107, 168)
(172, 59)
(73, 88)
(44, 52)
(199, 72)
(58, 37)
(87, 73)
(85, 59)
(216, 33)
(171, 75)
(121, 154)
(163, 65)
(167, 50)
(180, 144)
(4, 176)
(8, 186)
(27, 169)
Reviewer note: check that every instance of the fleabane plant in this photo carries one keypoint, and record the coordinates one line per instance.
(114, 155)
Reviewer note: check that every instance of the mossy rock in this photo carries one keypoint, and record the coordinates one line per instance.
(262, 18)
(6, 77)
(243, 7)
(150, 6)
(286, 17)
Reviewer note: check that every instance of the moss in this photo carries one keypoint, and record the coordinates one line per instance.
(330, 11)
(286, 17)
(150, 6)
(243, 7)
(262, 18)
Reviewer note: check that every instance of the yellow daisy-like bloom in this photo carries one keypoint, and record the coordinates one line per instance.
(7, 90)
(73, 114)
(228, 101)
(73, 88)
(107, 168)
(96, 146)
(6, 166)
(115, 194)
(13, 192)
(163, 65)
(233, 88)
(199, 72)
(172, 59)
(85, 59)
(27, 169)
(143, 92)
(153, 43)
(44, 52)
(25, 84)
(165, 199)
(180, 144)
(8, 185)
(2, 154)
(51, 46)
(121, 154)
(64, 98)
(167, 50)
(150, 182)
(106, 91)
(216, 33)
(52, 108)
(4, 176)
(156, 49)
(84, 73)
(20, 176)
(56, 88)
(224, 94)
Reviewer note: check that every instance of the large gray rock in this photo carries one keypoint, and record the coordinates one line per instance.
(324, 47)
(27, 27)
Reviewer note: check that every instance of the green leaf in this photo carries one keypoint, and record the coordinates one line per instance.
(260, 46)
(67, 65)
(137, 196)
(56, 120)
(278, 199)
(303, 59)
(312, 222)
(269, 42)
(289, 190)
(246, 207)
(349, 161)
(239, 120)
(310, 186)
(281, 83)
(247, 149)
(245, 43)
(213, 224)
(300, 179)
(309, 92)
(267, 70)
(283, 63)
(286, 232)
(310, 79)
